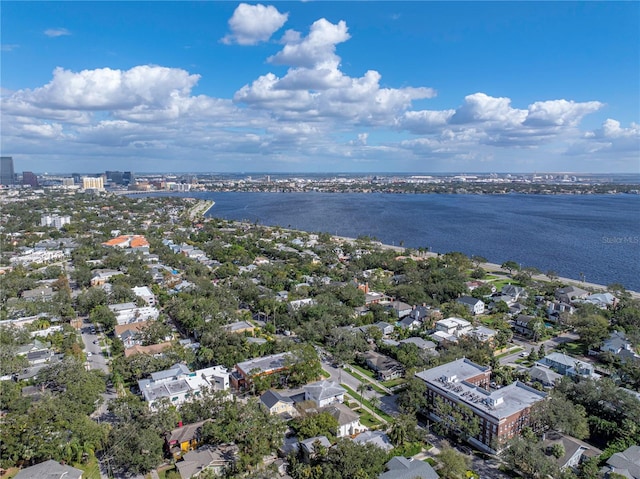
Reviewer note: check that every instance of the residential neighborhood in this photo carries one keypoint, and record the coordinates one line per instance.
(143, 338)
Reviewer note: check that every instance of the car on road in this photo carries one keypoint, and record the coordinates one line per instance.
(95, 341)
(89, 354)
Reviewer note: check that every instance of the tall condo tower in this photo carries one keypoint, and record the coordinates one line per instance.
(7, 176)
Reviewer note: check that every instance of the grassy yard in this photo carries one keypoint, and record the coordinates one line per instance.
(507, 353)
(574, 349)
(91, 468)
(358, 398)
(366, 419)
(394, 382)
(365, 371)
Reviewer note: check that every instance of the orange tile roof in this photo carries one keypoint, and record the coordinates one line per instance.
(135, 241)
(138, 241)
(121, 328)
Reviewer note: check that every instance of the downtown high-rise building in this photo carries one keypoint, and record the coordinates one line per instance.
(30, 178)
(7, 175)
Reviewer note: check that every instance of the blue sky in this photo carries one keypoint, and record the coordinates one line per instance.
(321, 86)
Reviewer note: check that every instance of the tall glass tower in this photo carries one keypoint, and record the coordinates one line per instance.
(7, 176)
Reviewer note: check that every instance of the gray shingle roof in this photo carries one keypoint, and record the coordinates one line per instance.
(49, 470)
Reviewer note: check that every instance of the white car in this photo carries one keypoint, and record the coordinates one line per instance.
(89, 355)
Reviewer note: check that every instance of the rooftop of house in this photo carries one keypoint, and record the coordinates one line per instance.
(324, 390)
(270, 398)
(454, 322)
(265, 364)
(571, 446)
(341, 413)
(626, 462)
(470, 300)
(377, 438)
(402, 468)
(184, 433)
(49, 470)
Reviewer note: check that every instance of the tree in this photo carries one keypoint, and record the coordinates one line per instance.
(454, 465)
(510, 266)
(559, 414)
(527, 457)
(413, 397)
(403, 429)
(592, 329)
(321, 424)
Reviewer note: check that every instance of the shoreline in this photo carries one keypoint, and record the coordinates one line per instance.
(496, 268)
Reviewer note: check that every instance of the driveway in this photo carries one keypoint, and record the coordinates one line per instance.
(95, 355)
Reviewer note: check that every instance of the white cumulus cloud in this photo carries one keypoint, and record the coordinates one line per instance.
(56, 32)
(252, 24)
(105, 88)
(559, 112)
(318, 48)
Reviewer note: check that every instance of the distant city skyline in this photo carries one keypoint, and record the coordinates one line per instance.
(312, 87)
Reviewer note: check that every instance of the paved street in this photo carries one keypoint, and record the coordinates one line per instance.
(95, 355)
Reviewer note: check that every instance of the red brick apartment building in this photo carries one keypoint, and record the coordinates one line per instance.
(502, 413)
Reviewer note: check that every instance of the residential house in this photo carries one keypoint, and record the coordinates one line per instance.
(410, 323)
(299, 303)
(401, 309)
(207, 458)
(130, 313)
(618, 345)
(244, 372)
(239, 327)
(348, 421)
(386, 368)
(525, 325)
(145, 293)
(516, 293)
(129, 333)
(568, 366)
(423, 345)
(377, 438)
(474, 305)
(102, 276)
(442, 337)
(49, 469)
(400, 467)
(178, 383)
(482, 333)
(454, 326)
(502, 414)
(323, 393)
(544, 375)
(601, 300)
(556, 309)
(278, 404)
(575, 450)
(386, 328)
(569, 294)
(625, 463)
(308, 446)
(41, 293)
(184, 438)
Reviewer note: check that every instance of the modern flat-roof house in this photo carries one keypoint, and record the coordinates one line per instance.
(502, 413)
(454, 326)
(244, 371)
(179, 383)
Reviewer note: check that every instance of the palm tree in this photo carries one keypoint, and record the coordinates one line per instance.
(361, 389)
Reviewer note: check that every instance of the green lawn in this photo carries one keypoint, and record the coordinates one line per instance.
(366, 372)
(394, 382)
(366, 419)
(357, 397)
(575, 349)
(507, 353)
(91, 468)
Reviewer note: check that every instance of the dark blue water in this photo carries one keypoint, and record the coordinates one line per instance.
(597, 236)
